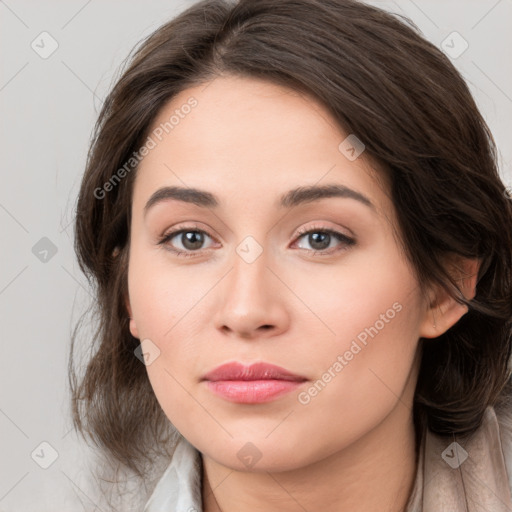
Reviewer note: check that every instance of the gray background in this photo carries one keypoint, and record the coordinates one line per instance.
(48, 107)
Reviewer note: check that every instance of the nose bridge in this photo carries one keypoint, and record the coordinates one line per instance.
(250, 297)
(249, 277)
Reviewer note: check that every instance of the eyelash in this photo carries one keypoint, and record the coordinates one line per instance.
(302, 232)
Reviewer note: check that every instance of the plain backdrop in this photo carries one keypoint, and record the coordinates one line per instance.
(49, 103)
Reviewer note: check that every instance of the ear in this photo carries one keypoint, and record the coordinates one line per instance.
(133, 326)
(443, 311)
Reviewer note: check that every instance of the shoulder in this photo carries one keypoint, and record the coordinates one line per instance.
(504, 420)
(477, 468)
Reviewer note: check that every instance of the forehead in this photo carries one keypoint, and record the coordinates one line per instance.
(245, 138)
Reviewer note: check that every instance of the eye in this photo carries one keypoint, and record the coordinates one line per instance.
(320, 240)
(190, 238)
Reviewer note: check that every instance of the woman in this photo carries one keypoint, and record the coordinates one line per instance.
(302, 251)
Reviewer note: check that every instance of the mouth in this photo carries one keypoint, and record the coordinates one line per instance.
(257, 383)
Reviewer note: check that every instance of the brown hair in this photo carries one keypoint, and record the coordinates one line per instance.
(403, 99)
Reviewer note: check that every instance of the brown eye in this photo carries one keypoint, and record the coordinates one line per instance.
(190, 239)
(320, 240)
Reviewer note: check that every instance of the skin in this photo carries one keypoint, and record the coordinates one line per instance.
(352, 446)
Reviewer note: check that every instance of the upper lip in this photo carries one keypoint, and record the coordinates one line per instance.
(256, 371)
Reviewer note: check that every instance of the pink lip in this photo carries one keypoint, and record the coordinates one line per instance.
(257, 383)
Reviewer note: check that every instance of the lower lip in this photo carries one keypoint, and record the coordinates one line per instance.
(252, 391)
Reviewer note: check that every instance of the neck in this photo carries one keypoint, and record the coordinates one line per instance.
(376, 472)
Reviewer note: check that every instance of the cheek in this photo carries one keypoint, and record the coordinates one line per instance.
(162, 307)
(372, 294)
(367, 367)
(161, 296)
(368, 318)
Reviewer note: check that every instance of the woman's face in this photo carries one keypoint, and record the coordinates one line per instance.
(342, 311)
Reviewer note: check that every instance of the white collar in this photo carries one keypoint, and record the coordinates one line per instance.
(179, 488)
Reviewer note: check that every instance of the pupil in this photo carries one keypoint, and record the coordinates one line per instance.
(193, 240)
(313, 240)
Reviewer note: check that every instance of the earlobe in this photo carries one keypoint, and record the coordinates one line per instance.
(444, 311)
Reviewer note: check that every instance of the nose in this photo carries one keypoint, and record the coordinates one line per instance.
(252, 300)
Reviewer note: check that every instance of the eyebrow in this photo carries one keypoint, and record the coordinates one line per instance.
(290, 199)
